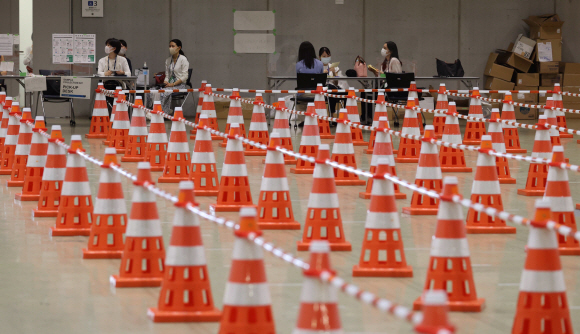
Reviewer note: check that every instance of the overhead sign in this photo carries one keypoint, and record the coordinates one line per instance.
(76, 88)
(92, 8)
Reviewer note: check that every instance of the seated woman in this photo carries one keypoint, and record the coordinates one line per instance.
(112, 65)
(307, 63)
(325, 57)
(176, 74)
(123, 53)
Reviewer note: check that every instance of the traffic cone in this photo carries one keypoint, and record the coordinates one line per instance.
(203, 171)
(486, 190)
(75, 212)
(7, 105)
(318, 311)
(208, 108)
(409, 148)
(137, 138)
(413, 93)
(199, 107)
(450, 265)
(323, 219)
(452, 159)
(428, 176)
(156, 139)
(558, 194)
(144, 253)
(510, 132)
(353, 117)
(35, 163)
(380, 111)
(258, 129)
(552, 120)
(538, 173)
(474, 130)
(498, 144)
(442, 104)
(234, 192)
(109, 138)
(110, 214)
(2, 98)
(435, 309)
(274, 204)
(320, 108)
(22, 150)
(100, 119)
(121, 126)
(382, 253)
(560, 115)
(11, 140)
(542, 302)
(281, 128)
(185, 294)
(177, 160)
(383, 150)
(235, 115)
(309, 143)
(247, 302)
(53, 176)
(343, 153)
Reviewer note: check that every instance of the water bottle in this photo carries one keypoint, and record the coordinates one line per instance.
(146, 74)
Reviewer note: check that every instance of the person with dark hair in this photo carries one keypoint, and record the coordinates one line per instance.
(307, 61)
(325, 57)
(176, 73)
(123, 53)
(111, 65)
(391, 63)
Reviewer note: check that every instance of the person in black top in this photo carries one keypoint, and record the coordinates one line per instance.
(123, 52)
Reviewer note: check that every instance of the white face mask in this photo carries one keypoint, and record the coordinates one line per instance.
(384, 53)
(123, 50)
(108, 49)
(173, 51)
(325, 60)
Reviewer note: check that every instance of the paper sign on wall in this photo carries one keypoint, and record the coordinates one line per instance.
(84, 51)
(545, 51)
(77, 88)
(92, 8)
(254, 43)
(62, 48)
(6, 44)
(253, 20)
(7, 66)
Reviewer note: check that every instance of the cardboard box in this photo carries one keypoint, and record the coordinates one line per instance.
(542, 96)
(571, 79)
(548, 50)
(550, 79)
(528, 79)
(222, 108)
(524, 46)
(528, 98)
(513, 60)
(545, 26)
(552, 67)
(570, 68)
(571, 89)
(499, 71)
(492, 83)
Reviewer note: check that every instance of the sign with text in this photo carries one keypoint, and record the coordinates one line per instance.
(92, 8)
(76, 88)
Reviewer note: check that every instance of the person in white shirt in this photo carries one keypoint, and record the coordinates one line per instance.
(176, 73)
(112, 64)
(28, 58)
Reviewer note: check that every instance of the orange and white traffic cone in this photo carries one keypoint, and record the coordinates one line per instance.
(6, 106)
(552, 120)
(198, 107)
(538, 173)
(247, 302)
(450, 263)
(53, 176)
(452, 159)
(560, 115)
(382, 253)
(474, 130)
(442, 104)
(560, 198)
(380, 111)
(208, 108)
(354, 117)
(258, 129)
(185, 294)
(274, 204)
(2, 98)
(542, 301)
(318, 311)
(142, 263)
(35, 163)
(435, 309)
(510, 132)
(498, 144)
(414, 94)
(22, 151)
(234, 192)
(428, 176)
(409, 148)
(121, 126)
(235, 115)
(109, 137)
(323, 219)
(203, 171)
(343, 153)
(486, 190)
(281, 128)
(383, 150)
(100, 119)
(11, 140)
(110, 214)
(137, 138)
(178, 160)
(309, 143)
(75, 212)
(156, 139)
(320, 107)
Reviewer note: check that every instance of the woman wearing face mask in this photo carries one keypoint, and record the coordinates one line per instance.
(123, 53)
(391, 63)
(176, 73)
(325, 58)
(111, 64)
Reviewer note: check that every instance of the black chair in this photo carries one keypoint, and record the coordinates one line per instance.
(399, 80)
(183, 96)
(52, 93)
(306, 81)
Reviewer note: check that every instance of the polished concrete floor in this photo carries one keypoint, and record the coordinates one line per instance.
(46, 286)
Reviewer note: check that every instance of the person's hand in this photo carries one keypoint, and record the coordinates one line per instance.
(108, 73)
(29, 69)
(3, 73)
(325, 71)
(169, 85)
(120, 72)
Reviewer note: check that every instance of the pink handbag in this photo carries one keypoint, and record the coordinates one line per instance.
(360, 67)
